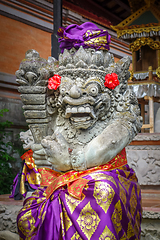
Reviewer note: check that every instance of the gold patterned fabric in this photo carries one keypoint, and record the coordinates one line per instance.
(109, 208)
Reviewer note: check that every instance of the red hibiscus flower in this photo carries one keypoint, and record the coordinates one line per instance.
(111, 80)
(54, 82)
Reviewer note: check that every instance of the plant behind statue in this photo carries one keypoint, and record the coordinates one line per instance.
(6, 171)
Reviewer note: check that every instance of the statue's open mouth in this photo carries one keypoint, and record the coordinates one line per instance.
(81, 116)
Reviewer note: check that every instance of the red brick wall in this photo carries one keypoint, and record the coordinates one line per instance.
(15, 39)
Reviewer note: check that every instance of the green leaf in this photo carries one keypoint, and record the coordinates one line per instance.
(6, 171)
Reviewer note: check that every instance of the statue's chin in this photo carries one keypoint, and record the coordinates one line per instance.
(82, 122)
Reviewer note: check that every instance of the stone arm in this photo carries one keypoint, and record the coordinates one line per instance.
(103, 148)
(117, 135)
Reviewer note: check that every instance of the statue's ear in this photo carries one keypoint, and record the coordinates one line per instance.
(122, 68)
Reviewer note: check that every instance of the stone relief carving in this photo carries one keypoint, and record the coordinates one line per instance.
(8, 225)
(151, 215)
(150, 225)
(82, 120)
(147, 137)
(150, 229)
(146, 165)
(144, 147)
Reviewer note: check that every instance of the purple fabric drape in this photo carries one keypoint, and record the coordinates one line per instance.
(28, 179)
(87, 35)
(14, 185)
(110, 208)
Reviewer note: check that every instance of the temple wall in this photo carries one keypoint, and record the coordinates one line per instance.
(16, 38)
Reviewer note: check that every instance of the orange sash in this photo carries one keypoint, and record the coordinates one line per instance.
(75, 181)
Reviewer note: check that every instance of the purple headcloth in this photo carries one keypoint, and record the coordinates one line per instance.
(87, 35)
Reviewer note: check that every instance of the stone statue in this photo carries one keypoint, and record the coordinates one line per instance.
(81, 114)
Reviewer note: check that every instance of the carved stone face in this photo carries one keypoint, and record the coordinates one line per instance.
(27, 139)
(84, 100)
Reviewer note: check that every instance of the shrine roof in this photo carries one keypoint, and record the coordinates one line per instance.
(145, 22)
(145, 18)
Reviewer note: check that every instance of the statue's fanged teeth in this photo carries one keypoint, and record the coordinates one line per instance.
(74, 110)
(88, 110)
(68, 113)
(92, 114)
(80, 119)
(80, 112)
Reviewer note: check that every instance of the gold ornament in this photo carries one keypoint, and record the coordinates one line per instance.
(131, 76)
(138, 29)
(158, 72)
(138, 43)
(131, 18)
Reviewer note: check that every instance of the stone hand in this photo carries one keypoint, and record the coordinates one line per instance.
(56, 149)
(39, 156)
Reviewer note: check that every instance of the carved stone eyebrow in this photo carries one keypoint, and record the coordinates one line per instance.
(93, 80)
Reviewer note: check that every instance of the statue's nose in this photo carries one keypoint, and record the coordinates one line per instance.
(75, 92)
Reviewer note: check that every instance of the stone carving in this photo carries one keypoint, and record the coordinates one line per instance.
(146, 165)
(27, 139)
(8, 225)
(151, 215)
(33, 76)
(82, 120)
(147, 137)
(143, 147)
(7, 235)
(150, 225)
(145, 160)
(150, 229)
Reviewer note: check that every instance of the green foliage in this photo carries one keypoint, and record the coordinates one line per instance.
(6, 172)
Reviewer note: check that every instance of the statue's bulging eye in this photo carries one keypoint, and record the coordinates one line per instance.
(93, 90)
(62, 90)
